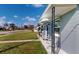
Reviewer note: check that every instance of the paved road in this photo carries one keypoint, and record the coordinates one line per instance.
(18, 41)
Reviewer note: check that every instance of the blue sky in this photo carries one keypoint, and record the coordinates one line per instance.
(21, 14)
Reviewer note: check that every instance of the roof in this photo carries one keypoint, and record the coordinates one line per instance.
(60, 9)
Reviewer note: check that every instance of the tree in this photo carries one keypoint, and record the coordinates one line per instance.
(25, 26)
(12, 26)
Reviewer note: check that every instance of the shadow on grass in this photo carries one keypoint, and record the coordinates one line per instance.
(11, 47)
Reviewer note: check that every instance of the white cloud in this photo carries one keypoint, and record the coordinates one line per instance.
(9, 22)
(3, 17)
(15, 16)
(27, 17)
(2, 21)
(30, 18)
(26, 23)
(38, 5)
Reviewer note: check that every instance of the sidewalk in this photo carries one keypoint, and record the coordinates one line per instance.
(18, 41)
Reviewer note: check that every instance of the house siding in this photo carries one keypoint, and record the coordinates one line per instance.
(70, 31)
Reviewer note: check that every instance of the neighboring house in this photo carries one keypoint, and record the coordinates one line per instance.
(35, 29)
(60, 25)
(1, 28)
(8, 27)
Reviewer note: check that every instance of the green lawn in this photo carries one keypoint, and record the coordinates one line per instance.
(22, 48)
(2, 34)
(20, 35)
(33, 47)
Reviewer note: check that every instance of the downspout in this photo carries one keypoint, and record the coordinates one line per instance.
(53, 31)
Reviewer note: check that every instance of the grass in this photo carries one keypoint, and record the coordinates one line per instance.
(22, 48)
(20, 35)
(33, 47)
(2, 34)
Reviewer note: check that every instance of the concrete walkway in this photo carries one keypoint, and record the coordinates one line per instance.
(18, 41)
(46, 44)
(62, 52)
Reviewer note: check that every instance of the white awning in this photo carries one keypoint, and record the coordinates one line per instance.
(60, 9)
(44, 20)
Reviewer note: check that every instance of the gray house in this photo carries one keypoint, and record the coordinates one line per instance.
(60, 25)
